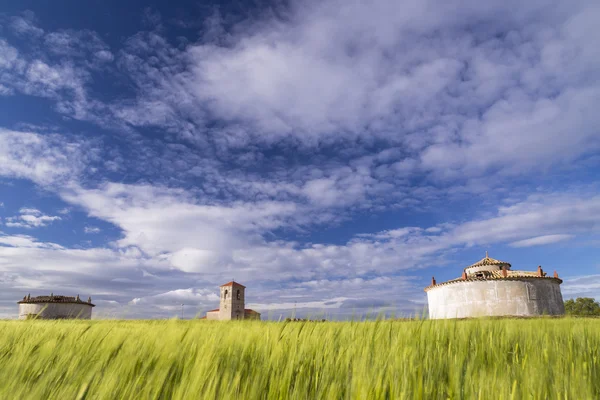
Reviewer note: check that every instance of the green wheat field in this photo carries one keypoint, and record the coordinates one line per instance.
(484, 359)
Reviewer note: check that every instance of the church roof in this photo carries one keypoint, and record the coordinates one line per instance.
(488, 261)
(233, 283)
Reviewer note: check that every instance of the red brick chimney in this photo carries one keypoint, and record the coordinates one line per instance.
(432, 281)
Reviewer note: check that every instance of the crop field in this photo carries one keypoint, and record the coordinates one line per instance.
(484, 359)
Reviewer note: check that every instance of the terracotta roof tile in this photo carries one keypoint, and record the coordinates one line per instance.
(53, 299)
(496, 275)
(233, 283)
(488, 261)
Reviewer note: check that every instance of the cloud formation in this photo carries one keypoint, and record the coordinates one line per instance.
(228, 151)
(502, 87)
(30, 218)
(475, 89)
(92, 229)
(43, 159)
(220, 240)
(541, 240)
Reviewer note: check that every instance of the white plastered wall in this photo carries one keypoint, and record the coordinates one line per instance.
(523, 297)
(55, 310)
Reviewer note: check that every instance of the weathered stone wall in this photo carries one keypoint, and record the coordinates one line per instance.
(523, 297)
(55, 310)
(232, 304)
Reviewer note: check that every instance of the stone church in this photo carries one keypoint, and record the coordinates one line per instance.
(232, 304)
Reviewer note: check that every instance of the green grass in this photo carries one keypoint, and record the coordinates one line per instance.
(483, 359)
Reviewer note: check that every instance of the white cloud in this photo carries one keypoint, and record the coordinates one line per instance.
(104, 55)
(25, 26)
(25, 241)
(30, 218)
(195, 260)
(344, 187)
(174, 298)
(60, 73)
(9, 56)
(581, 286)
(43, 159)
(5, 91)
(214, 242)
(541, 240)
(64, 82)
(83, 43)
(218, 240)
(33, 211)
(555, 214)
(459, 98)
(448, 91)
(111, 274)
(91, 229)
(159, 220)
(335, 303)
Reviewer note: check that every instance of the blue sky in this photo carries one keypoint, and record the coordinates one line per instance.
(332, 156)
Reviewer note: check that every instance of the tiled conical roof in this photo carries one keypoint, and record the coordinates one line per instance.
(488, 261)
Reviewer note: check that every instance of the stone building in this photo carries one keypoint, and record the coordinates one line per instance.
(232, 302)
(55, 307)
(490, 288)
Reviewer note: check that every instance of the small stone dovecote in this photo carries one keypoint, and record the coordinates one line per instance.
(491, 288)
(55, 307)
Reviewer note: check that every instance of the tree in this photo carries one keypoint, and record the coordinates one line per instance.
(582, 306)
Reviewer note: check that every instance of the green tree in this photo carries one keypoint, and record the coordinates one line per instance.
(584, 306)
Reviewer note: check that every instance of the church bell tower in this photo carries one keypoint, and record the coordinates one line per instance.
(232, 301)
